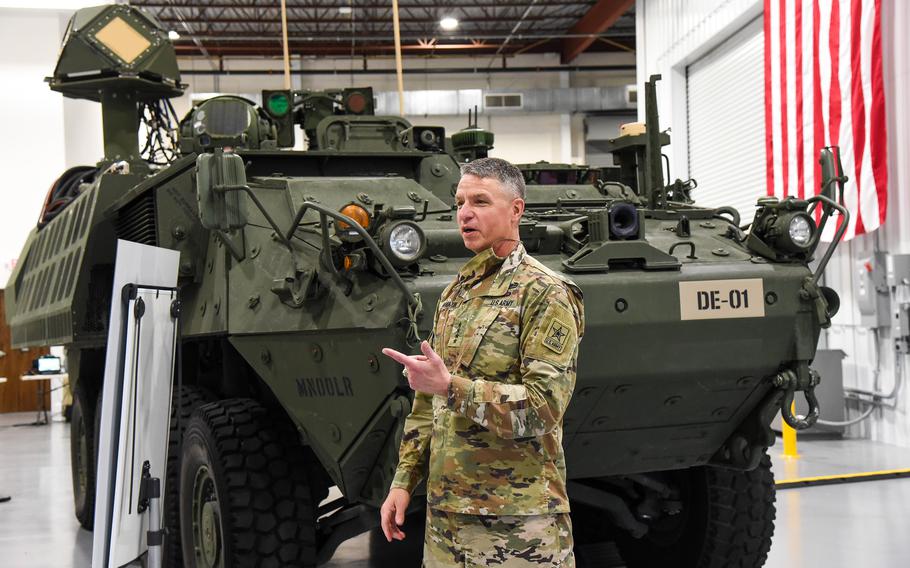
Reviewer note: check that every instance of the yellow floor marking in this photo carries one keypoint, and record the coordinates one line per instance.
(845, 477)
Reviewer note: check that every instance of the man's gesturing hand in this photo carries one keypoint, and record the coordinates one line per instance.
(426, 373)
(391, 515)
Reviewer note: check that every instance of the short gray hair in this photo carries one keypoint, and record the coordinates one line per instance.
(502, 171)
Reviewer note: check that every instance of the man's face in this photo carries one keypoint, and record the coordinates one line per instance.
(488, 214)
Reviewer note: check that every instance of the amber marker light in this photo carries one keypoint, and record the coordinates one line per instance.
(357, 213)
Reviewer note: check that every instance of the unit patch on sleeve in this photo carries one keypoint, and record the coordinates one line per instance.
(556, 336)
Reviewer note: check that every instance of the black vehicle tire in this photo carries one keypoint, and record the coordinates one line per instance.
(727, 522)
(84, 453)
(186, 400)
(245, 496)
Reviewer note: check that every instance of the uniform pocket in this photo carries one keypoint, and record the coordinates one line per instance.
(517, 541)
(475, 330)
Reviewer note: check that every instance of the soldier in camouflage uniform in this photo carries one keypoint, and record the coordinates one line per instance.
(491, 390)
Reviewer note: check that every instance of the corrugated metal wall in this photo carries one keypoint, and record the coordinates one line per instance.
(675, 33)
(722, 130)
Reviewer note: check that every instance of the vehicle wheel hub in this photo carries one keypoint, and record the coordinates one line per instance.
(206, 521)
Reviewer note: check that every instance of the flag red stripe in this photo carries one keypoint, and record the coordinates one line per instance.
(818, 133)
(835, 95)
(769, 132)
(865, 137)
(834, 51)
(857, 104)
(878, 144)
(784, 134)
(800, 145)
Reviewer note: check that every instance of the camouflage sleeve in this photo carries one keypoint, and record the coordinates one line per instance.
(413, 453)
(415, 444)
(551, 328)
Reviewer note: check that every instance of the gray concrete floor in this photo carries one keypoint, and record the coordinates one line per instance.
(858, 524)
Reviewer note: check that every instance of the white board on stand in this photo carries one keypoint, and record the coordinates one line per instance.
(136, 399)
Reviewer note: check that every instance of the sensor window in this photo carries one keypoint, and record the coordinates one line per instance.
(123, 40)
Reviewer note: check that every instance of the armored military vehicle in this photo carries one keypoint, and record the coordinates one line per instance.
(297, 267)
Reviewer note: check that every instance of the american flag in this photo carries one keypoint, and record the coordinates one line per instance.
(824, 87)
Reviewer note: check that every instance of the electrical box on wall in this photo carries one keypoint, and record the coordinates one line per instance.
(872, 290)
(902, 332)
(899, 270)
(899, 282)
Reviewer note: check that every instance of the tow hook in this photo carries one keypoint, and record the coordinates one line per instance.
(791, 381)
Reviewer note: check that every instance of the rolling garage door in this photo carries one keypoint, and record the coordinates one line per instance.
(726, 120)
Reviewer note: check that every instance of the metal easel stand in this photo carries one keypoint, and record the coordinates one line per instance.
(150, 500)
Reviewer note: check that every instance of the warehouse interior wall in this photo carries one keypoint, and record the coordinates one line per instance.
(520, 137)
(675, 33)
(43, 133)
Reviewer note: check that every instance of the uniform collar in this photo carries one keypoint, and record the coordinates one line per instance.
(485, 263)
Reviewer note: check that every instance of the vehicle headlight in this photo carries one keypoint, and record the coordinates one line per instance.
(783, 230)
(404, 242)
(793, 232)
(801, 230)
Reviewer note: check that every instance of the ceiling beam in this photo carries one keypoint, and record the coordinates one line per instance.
(417, 70)
(342, 20)
(343, 36)
(404, 5)
(598, 19)
(331, 49)
(271, 49)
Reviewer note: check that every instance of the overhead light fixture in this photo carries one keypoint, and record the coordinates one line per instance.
(173, 35)
(344, 10)
(448, 23)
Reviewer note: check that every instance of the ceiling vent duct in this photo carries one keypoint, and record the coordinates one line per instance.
(457, 102)
(503, 101)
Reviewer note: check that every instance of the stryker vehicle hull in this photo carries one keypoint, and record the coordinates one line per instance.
(654, 392)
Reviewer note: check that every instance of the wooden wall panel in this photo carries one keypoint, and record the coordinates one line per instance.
(17, 395)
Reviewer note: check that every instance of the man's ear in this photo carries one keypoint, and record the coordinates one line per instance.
(518, 208)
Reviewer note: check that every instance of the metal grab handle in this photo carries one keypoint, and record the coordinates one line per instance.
(731, 211)
(286, 241)
(818, 234)
(790, 382)
(691, 246)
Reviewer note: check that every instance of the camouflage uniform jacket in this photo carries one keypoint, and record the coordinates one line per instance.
(508, 331)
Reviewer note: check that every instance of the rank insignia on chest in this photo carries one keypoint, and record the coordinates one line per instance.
(556, 336)
(455, 336)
